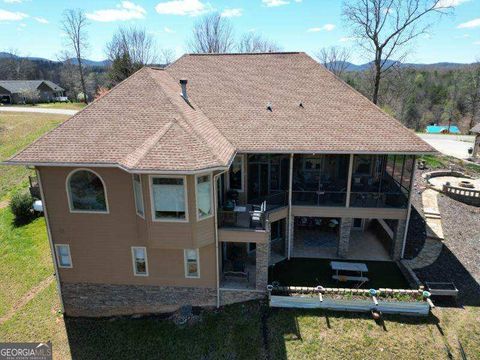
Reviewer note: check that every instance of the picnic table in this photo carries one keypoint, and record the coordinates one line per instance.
(341, 266)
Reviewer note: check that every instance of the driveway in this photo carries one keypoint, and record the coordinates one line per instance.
(37, 110)
(452, 145)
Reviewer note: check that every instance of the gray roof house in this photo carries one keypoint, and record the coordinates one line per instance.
(14, 91)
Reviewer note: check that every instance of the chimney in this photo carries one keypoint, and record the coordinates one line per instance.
(183, 84)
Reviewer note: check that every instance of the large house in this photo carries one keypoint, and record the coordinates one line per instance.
(21, 91)
(183, 185)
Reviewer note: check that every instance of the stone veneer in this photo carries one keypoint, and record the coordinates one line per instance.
(107, 300)
(261, 266)
(234, 296)
(397, 243)
(344, 236)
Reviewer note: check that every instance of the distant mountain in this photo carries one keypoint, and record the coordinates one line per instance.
(86, 62)
(438, 66)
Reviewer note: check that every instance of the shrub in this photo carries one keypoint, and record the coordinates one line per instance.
(21, 207)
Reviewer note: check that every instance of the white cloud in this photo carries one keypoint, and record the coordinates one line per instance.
(182, 7)
(168, 30)
(13, 1)
(124, 11)
(346, 39)
(41, 20)
(11, 16)
(449, 3)
(273, 3)
(476, 43)
(232, 12)
(470, 24)
(326, 27)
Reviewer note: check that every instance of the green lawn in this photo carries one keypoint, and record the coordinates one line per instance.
(25, 258)
(57, 105)
(17, 130)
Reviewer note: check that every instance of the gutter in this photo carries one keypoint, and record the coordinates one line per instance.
(217, 264)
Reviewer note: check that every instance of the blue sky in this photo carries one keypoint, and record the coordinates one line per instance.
(32, 27)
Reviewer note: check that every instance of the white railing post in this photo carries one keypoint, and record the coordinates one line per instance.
(349, 181)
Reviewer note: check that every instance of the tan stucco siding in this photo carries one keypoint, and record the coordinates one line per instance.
(100, 244)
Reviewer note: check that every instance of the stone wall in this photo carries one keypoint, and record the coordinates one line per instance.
(261, 267)
(107, 300)
(397, 242)
(344, 236)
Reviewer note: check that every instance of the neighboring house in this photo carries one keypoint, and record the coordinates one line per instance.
(20, 91)
(476, 147)
(217, 167)
(443, 129)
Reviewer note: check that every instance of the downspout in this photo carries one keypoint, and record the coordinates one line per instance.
(409, 209)
(290, 186)
(215, 202)
(50, 240)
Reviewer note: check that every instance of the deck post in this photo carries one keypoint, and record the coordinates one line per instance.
(349, 181)
(290, 219)
(409, 206)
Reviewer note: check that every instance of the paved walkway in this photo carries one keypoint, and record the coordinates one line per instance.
(452, 145)
(433, 244)
(37, 110)
(24, 300)
(4, 204)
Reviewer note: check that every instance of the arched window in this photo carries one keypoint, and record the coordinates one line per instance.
(86, 192)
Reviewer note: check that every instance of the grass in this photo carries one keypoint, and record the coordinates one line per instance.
(17, 130)
(56, 105)
(25, 258)
(314, 272)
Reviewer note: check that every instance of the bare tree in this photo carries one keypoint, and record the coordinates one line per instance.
(255, 43)
(136, 42)
(334, 59)
(385, 27)
(74, 24)
(212, 34)
(167, 56)
(472, 92)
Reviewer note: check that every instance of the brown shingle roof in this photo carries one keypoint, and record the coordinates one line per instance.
(476, 129)
(233, 90)
(144, 124)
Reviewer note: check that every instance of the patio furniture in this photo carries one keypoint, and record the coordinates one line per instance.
(341, 267)
(256, 214)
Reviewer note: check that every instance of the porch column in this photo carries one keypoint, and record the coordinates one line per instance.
(349, 181)
(290, 217)
(261, 266)
(409, 206)
(398, 237)
(344, 236)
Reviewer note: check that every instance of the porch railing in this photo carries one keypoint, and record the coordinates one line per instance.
(378, 200)
(319, 198)
(273, 201)
(240, 219)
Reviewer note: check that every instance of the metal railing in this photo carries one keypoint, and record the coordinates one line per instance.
(242, 219)
(378, 200)
(274, 201)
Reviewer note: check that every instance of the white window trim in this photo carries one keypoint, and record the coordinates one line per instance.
(211, 197)
(57, 252)
(152, 204)
(186, 267)
(67, 186)
(141, 195)
(133, 260)
(242, 156)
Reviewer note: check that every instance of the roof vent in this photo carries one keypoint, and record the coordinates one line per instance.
(183, 84)
(301, 104)
(269, 107)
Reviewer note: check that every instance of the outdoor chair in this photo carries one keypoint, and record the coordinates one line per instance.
(256, 214)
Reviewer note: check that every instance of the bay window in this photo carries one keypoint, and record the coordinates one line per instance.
(169, 198)
(204, 196)
(138, 194)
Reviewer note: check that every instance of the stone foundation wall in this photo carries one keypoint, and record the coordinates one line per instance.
(261, 267)
(398, 236)
(97, 300)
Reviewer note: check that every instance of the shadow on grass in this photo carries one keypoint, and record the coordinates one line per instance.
(447, 268)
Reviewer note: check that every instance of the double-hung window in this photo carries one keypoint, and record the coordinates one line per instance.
(64, 260)
(204, 196)
(138, 193)
(192, 263)
(169, 198)
(139, 258)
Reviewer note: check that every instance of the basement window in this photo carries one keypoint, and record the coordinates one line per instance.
(192, 263)
(64, 260)
(139, 257)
